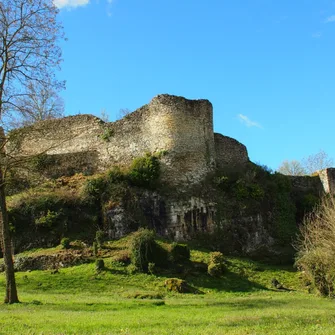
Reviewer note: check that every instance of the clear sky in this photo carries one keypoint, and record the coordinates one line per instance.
(267, 66)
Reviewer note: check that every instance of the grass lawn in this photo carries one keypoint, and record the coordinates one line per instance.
(78, 300)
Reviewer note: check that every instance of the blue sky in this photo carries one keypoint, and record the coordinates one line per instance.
(268, 67)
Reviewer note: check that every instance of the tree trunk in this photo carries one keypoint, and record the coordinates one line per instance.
(11, 291)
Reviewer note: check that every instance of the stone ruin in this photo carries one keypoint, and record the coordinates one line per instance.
(183, 130)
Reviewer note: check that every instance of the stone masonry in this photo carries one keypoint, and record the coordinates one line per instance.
(181, 128)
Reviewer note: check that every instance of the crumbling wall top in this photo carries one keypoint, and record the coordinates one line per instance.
(229, 152)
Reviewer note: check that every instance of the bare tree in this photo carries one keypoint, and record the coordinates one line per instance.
(41, 102)
(104, 115)
(318, 161)
(307, 166)
(29, 53)
(292, 168)
(122, 113)
(316, 247)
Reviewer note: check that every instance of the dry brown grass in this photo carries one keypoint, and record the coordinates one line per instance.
(316, 247)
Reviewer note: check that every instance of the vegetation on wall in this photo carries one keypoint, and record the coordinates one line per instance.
(56, 166)
(144, 171)
(256, 191)
(107, 134)
(43, 218)
(249, 192)
(74, 205)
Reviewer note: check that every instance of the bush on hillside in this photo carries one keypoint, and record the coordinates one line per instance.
(95, 187)
(151, 268)
(115, 175)
(216, 257)
(99, 265)
(95, 249)
(179, 252)
(144, 171)
(316, 248)
(180, 286)
(144, 250)
(65, 243)
(99, 238)
(216, 264)
(47, 220)
(215, 270)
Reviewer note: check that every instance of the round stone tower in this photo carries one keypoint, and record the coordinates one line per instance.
(184, 128)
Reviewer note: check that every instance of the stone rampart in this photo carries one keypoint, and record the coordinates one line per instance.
(305, 184)
(229, 152)
(327, 177)
(182, 128)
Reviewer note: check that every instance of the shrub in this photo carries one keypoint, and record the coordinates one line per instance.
(16, 182)
(215, 270)
(241, 190)
(144, 171)
(99, 238)
(95, 249)
(179, 286)
(216, 264)
(107, 134)
(95, 187)
(151, 268)
(316, 247)
(222, 182)
(115, 175)
(99, 265)
(145, 250)
(256, 192)
(180, 252)
(65, 243)
(42, 162)
(122, 257)
(131, 269)
(47, 220)
(216, 257)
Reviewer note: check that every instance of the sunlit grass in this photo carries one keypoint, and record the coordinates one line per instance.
(78, 300)
(257, 313)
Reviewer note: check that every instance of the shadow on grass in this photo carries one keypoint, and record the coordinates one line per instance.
(115, 271)
(245, 303)
(229, 282)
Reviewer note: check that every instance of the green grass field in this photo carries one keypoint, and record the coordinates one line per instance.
(78, 300)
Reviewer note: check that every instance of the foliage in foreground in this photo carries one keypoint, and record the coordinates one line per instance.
(316, 248)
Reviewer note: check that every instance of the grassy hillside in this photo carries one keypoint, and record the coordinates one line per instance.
(82, 300)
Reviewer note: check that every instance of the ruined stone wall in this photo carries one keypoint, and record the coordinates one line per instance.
(180, 127)
(229, 152)
(79, 133)
(305, 184)
(327, 178)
